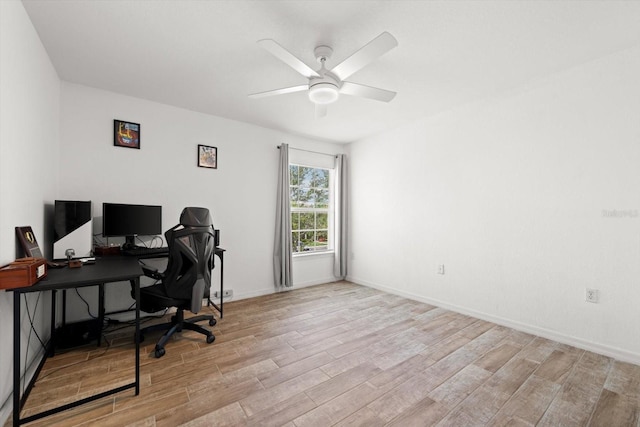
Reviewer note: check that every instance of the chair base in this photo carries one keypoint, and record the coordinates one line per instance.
(177, 324)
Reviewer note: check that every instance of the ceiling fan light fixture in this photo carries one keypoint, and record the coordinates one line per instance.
(323, 93)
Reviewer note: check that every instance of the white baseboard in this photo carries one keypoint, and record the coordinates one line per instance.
(614, 352)
(267, 291)
(315, 282)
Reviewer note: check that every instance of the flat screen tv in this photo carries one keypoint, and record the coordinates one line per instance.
(129, 221)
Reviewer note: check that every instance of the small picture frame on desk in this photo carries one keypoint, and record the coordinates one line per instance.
(207, 156)
(28, 242)
(126, 134)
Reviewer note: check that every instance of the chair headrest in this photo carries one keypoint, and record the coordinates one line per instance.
(195, 217)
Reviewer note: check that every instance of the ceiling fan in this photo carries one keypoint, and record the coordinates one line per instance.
(325, 86)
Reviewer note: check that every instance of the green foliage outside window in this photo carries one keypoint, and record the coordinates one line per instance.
(309, 193)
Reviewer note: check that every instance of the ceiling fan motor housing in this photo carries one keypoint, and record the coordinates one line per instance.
(324, 89)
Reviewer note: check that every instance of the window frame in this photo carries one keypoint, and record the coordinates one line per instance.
(329, 210)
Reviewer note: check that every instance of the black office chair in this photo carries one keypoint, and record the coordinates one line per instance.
(186, 280)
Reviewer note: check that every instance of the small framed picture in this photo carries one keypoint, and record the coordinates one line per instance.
(126, 134)
(207, 157)
(28, 241)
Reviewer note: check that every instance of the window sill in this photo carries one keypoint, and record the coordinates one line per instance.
(312, 254)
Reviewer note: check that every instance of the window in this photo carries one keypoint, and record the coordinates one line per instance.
(310, 208)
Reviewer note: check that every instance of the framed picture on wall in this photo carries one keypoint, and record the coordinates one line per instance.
(126, 134)
(207, 157)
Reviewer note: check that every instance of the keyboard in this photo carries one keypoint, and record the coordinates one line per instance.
(145, 252)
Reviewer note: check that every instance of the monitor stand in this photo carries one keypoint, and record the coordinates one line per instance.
(129, 242)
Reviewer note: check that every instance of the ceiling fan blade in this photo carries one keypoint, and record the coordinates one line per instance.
(372, 50)
(279, 91)
(321, 110)
(356, 89)
(288, 58)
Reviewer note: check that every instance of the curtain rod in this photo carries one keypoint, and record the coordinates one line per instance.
(309, 151)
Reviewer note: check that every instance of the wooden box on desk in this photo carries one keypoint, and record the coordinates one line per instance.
(106, 250)
(22, 272)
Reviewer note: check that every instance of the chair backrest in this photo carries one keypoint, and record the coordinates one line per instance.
(191, 249)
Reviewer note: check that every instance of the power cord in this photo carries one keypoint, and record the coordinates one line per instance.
(157, 238)
(26, 303)
(99, 242)
(151, 242)
(102, 242)
(85, 303)
(32, 329)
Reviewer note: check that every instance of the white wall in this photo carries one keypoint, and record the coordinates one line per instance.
(513, 195)
(240, 193)
(29, 108)
(57, 143)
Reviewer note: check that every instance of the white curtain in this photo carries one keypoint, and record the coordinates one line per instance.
(340, 237)
(283, 246)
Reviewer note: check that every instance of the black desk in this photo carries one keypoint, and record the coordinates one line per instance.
(220, 252)
(105, 270)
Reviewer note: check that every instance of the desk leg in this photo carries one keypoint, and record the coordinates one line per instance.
(64, 308)
(221, 255)
(52, 341)
(100, 311)
(16, 358)
(136, 290)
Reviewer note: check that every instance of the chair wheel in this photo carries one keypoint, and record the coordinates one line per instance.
(210, 338)
(213, 322)
(159, 352)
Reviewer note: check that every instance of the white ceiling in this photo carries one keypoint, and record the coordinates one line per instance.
(202, 55)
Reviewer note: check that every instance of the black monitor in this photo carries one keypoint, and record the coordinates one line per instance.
(123, 220)
(72, 228)
(69, 215)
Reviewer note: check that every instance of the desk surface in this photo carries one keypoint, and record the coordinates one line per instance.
(106, 269)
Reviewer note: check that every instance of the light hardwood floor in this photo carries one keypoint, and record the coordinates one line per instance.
(346, 355)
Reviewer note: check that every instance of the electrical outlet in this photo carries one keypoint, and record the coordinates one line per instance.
(228, 293)
(440, 268)
(591, 295)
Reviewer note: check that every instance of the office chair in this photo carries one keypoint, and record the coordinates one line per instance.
(186, 280)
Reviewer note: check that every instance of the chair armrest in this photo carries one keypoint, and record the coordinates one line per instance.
(150, 268)
(152, 272)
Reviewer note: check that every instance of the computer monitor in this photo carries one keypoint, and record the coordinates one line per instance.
(128, 221)
(72, 228)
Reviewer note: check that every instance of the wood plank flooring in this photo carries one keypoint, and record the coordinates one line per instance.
(345, 355)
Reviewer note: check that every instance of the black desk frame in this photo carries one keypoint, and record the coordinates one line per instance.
(62, 284)
(220, 252)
